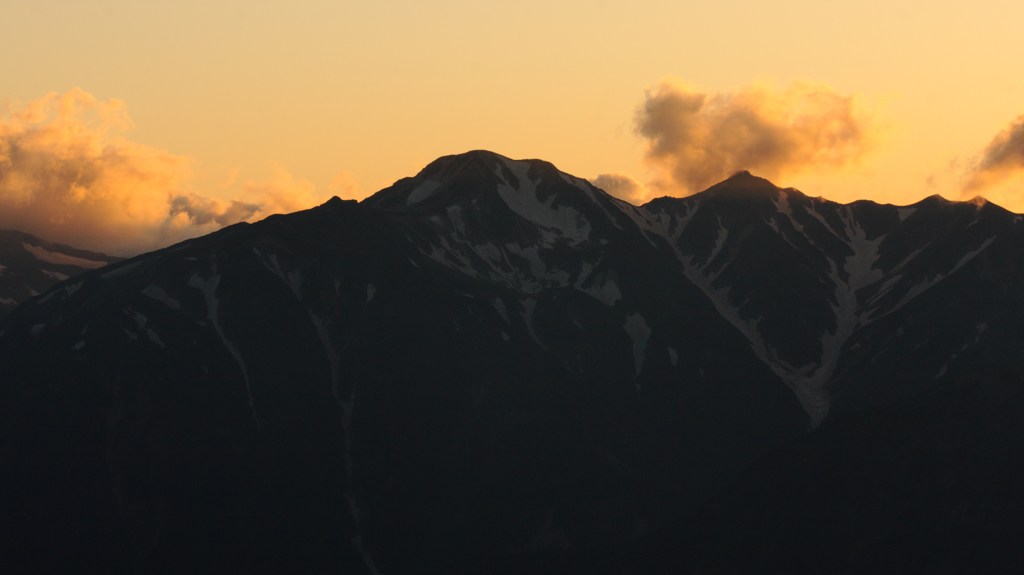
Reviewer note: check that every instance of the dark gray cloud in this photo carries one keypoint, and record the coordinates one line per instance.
(1002, 158)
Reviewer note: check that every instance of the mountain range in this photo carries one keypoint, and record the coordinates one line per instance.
(30, 266)
(495, 366)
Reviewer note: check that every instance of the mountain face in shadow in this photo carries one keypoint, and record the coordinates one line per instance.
(494, 366)
(30, 266)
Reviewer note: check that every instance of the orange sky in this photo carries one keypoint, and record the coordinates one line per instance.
(237, 109)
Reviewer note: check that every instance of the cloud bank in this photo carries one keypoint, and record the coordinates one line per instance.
(695, 139)
(68, 174)
(1003, 158)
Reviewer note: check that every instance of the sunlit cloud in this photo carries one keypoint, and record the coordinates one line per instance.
(281, 193)
(69, 174)
(66, 175)
(202, 211)
(621, 186)
(344, 186)
(695, 139)
(1001, 160)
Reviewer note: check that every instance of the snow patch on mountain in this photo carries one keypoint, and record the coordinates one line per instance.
(781, 201)
(720, 238)
(333, 359)
(529, 308)
(52, 257)
(859, 271)
(292, 279)
(538, 268)
(122, 270)
(639, 333)
(422, 192)
(809, 392)
(904, 212)
(456, 219)
(490, 253)
(142, 324)
(55, 275)
(663, 224)
(157, 293)
(600, 287)
(606, 292)
(499, 306)
(564, 221)
(812, 397)
(208, 286)
(912, 292)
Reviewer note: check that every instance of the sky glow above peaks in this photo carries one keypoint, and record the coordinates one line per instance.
(238, 109)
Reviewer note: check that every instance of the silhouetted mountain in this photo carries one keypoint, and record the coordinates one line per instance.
(493, 366)
(30, 266)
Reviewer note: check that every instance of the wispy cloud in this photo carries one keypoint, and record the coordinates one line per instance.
(344, 185)
(695, 138)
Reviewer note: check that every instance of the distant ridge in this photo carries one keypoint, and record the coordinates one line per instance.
(30, 266)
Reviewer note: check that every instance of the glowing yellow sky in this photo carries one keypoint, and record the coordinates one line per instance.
(363, 93)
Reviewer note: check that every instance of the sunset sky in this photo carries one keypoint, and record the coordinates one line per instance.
(126, 125)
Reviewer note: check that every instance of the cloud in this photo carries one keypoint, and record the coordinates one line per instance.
(282, 193)
(344, 186)
(695, 139)
(621, 186)
(193, 214)
(201, 211)
(68, 174)
(1002, 159)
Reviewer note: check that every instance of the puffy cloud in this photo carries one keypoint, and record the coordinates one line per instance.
(202, 211)
(68, 174)
(695, 139)
(1002, 159)
(621, 186)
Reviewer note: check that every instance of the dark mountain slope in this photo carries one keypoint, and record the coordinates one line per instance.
(332, 389)
(491, 366)
(930, 485)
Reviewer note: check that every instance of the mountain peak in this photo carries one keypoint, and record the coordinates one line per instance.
(938, 202)
(452, 164)
(336, 201)
(742, 185)
(484, 163)
(469, 173)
